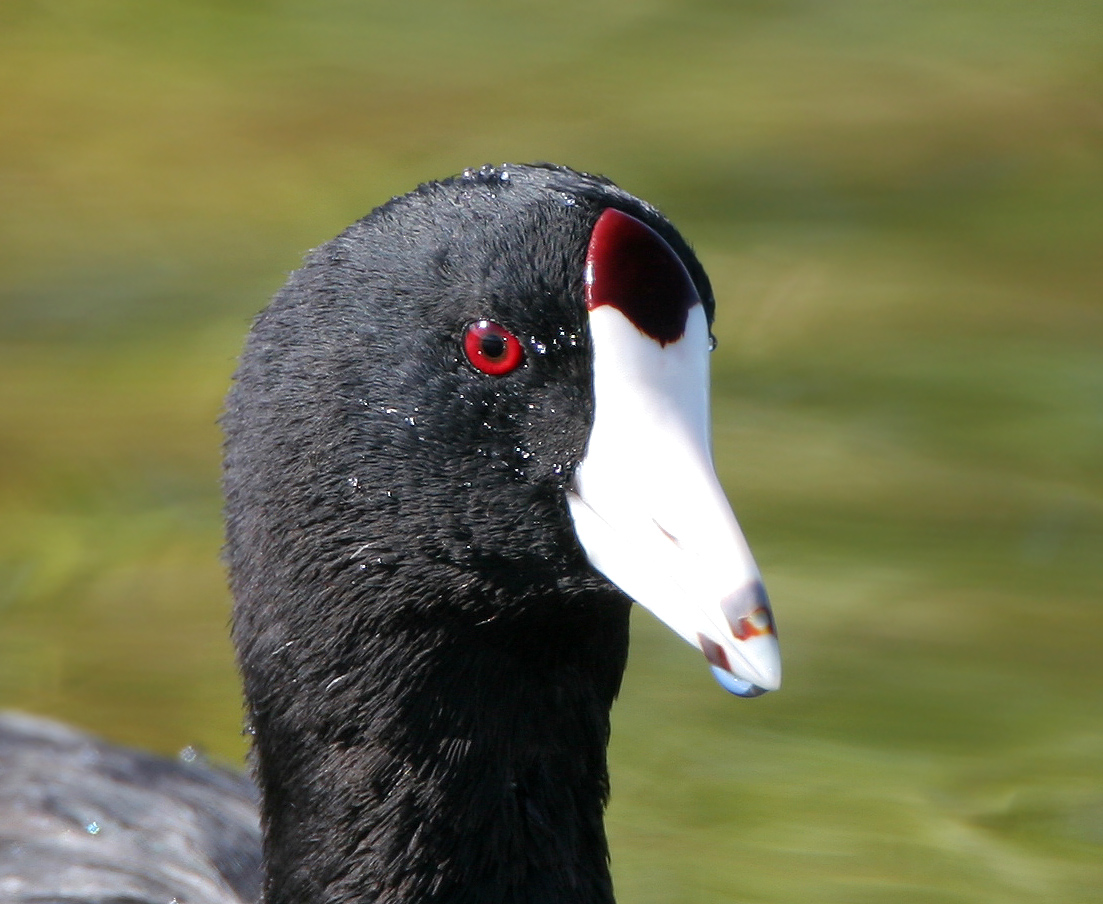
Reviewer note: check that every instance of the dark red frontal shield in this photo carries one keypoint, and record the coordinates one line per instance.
(631, 267)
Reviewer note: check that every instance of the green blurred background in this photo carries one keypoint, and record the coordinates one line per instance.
(901, 206)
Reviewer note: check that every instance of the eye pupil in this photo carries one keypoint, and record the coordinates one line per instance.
(491, 348)
(494, 347)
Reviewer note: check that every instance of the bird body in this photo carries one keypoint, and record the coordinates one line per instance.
(86, 822)
(461, 439)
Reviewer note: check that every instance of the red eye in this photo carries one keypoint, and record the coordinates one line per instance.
(492, 348)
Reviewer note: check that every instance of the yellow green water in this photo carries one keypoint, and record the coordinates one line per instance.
(901, 206)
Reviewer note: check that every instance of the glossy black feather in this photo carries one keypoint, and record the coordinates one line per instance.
(428, 658)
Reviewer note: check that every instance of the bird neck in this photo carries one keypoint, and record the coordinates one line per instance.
(451, 763)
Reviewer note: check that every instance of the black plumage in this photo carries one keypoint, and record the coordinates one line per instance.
(429, 658)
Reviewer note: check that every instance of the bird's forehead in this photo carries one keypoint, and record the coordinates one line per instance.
(534, 276)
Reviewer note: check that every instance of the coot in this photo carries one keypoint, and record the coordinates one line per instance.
(466, 434)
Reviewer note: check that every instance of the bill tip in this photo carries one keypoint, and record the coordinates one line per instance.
(738, 686)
